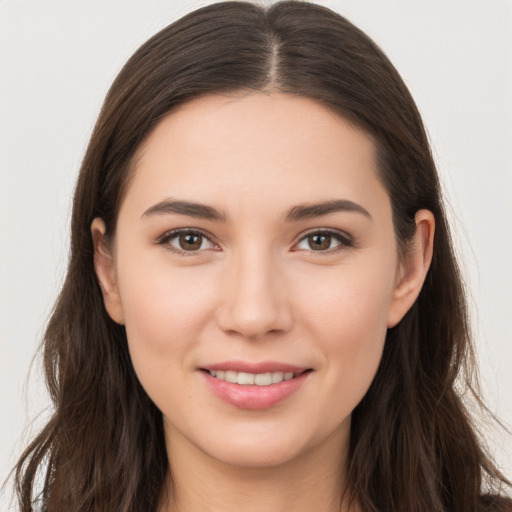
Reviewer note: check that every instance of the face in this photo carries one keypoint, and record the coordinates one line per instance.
(256, 271)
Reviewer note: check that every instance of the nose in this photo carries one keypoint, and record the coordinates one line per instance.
(254, 298)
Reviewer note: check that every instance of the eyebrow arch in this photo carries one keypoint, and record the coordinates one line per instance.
(309, 211)
(297, 213)
(190, 209)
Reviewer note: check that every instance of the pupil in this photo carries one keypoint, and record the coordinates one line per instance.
(317, 242)
(190, 241)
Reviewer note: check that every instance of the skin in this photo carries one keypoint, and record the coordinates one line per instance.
(256, 290)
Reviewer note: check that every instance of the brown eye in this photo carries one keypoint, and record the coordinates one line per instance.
(324, 241)
(319, 242)
(186, 241)
(190, 241)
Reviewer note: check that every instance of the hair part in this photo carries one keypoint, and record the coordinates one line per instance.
(413, 446)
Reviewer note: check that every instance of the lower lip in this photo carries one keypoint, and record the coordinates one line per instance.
(254, 397)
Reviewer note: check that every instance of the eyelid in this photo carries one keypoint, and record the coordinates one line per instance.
(346, 241)
(173, 233)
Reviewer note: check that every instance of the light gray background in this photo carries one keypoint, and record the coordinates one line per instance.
(58, 59)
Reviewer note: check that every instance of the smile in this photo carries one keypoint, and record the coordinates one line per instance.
(252, 379)
(259, 386)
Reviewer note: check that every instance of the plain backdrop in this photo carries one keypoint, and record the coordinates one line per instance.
(58, 59)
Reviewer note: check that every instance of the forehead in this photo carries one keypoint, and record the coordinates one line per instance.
(255, 149)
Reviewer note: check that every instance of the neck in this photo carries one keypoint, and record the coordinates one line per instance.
(315, 480)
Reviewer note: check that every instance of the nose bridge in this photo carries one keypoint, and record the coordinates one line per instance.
(255, 301)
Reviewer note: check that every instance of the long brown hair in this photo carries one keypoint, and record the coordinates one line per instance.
(413, 445)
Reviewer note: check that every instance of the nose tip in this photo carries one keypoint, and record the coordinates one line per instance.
(254, 303)
(253, 323)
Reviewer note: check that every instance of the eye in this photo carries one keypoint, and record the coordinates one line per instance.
(186, 241)
(324, 241)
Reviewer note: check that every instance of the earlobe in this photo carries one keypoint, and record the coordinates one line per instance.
(413, 270)
(106, 272)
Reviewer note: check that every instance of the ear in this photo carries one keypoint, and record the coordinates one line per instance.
(106, 272)
(414, 267)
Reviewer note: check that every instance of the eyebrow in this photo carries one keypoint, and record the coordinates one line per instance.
(190, 209)
(297, 213)
(309, 211)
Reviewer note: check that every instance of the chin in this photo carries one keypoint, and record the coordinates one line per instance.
(267, 446)
(257, 456)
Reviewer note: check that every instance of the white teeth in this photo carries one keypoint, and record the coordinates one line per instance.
(263, 379)
(250, 379)
(277, 377)
(245, 378)
(231, 377)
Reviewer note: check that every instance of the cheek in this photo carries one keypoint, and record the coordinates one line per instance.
(349, 306)
(165, 310)
(348, 321)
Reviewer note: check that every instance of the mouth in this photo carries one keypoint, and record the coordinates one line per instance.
(254, 385)
(254, 379)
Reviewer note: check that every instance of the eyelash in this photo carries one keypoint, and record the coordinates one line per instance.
(167, 237)
(345, 241)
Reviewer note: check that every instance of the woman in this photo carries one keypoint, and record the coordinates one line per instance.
(262, 309)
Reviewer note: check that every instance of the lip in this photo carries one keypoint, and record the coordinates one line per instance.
(249, 367)
(255, 397)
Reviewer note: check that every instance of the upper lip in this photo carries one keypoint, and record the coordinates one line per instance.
(253, 367)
